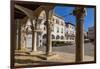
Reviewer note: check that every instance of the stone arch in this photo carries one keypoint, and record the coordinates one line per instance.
(24, 10)
(22, 37)
(41, 20)
(42, 16)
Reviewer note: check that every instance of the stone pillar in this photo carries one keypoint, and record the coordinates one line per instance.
(34, 37)
(79, 12)
(34, 41)
(19, 35)
(79, 39)
(13, 41)
(49, 43)
(23, 38)
(38, 40)
(16, 23)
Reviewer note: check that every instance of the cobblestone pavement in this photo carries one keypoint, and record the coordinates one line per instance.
(88, 49)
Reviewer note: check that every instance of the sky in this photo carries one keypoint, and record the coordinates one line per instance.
(64, 11)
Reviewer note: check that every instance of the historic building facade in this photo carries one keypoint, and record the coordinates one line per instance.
(70, 32)
(60, 30)
(57, 29)
(91, 34)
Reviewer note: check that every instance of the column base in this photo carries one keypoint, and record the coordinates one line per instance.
(22, 50)
(35, 52)
(48, 57)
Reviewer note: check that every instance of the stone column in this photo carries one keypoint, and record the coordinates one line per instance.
(49, 43)
(16, 23)
(23, 38)
(34, 41)
(13, 41)
(34, 37)
(19, 35)
(79, 12)
(38, 41)
(79, 39)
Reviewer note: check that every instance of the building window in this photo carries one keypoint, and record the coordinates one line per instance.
(72, 27)
(44, 28)
(44, 36)
(61, 23)
(67, 26)
(70, 38)
(45, 23)
(73, 38)
(52, 29)
(62, 37)
(57, 29)
(53, 19)
(62, 30)
(67, 38)
(57, 37)
(53, 37)
(57, 21)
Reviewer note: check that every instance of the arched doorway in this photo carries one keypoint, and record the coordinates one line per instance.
(44, 39)
(29, 41)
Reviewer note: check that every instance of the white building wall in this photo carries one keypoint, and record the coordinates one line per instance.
(58, 26)
(70, 32)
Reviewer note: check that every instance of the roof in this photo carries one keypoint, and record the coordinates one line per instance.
(58, 15)
(69, 23)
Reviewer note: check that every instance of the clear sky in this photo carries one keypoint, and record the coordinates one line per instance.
(64, 11)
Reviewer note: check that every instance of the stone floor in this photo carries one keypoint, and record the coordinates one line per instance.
(62, 54)
(24, 58)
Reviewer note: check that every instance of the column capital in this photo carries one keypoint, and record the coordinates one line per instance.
(79, 11)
